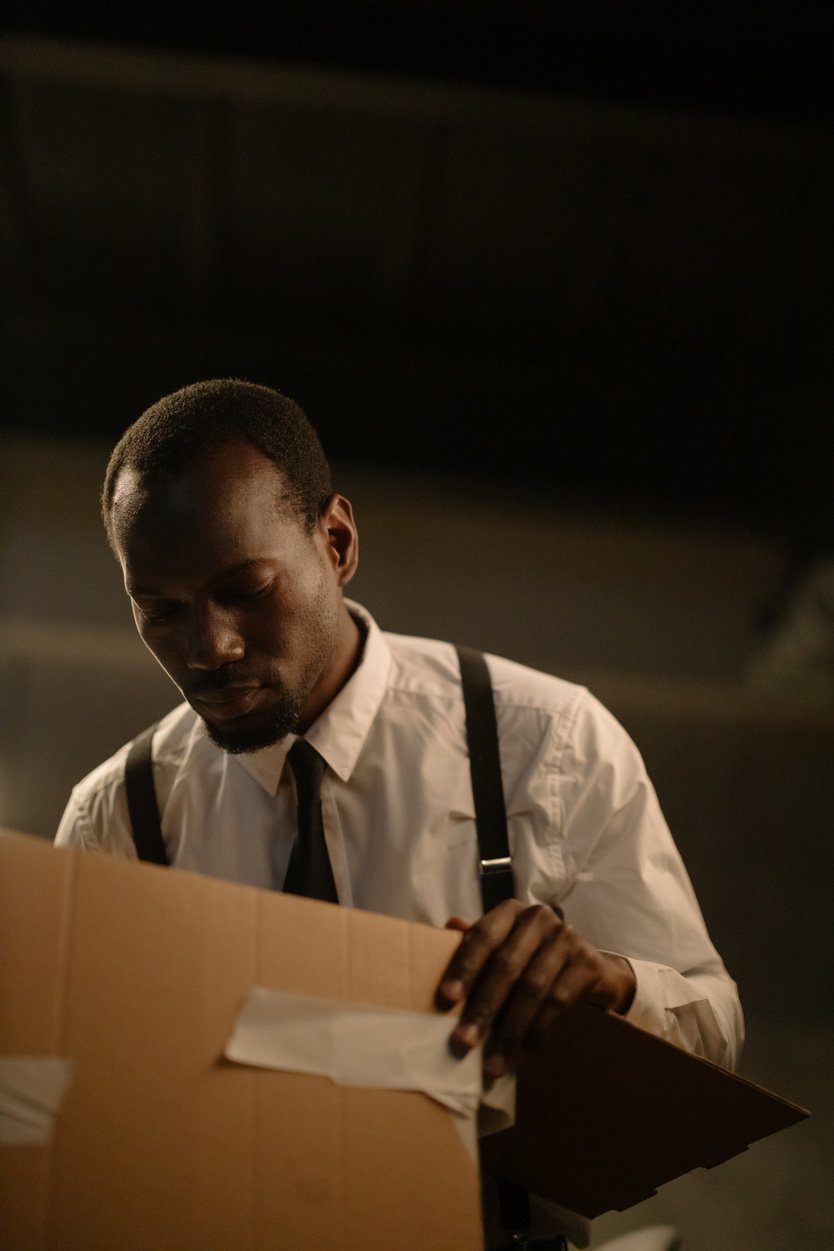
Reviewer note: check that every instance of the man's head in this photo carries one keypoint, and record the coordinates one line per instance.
(173, 433)
(218, 505)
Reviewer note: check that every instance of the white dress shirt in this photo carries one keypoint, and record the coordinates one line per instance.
(585, 828)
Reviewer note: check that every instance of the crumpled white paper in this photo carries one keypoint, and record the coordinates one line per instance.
(32, 1089)
(355, 1045)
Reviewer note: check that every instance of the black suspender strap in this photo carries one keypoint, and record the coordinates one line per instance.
(495, 865)
(487, 789)
(141, 800)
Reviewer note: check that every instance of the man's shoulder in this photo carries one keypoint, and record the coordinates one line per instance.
(430, 666)
(175, 737)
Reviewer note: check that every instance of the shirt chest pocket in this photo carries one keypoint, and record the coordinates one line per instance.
(449, 833)
(447, 821)
(444, 868)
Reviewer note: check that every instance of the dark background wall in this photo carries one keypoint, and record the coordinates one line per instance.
(586, 245)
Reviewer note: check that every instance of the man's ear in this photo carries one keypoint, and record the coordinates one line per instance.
(338, 530)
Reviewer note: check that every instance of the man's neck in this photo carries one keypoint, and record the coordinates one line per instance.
(346, 660)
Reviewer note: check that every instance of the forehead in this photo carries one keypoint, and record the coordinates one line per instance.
(230, 505)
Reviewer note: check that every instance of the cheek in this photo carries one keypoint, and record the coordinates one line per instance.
(302, 615)
(159, 648)
(142, 631)
(308, 598)
(157, 643)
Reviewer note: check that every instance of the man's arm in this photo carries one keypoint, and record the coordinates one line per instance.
(96, 816)
(633, 941)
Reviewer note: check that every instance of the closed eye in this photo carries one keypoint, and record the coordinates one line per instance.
(162, 611)
(244, 594)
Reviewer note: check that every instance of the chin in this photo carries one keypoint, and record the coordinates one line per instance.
(239, 740)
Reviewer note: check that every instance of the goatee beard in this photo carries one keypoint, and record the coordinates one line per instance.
(269, 729)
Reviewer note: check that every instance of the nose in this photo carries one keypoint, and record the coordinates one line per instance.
(212, 638)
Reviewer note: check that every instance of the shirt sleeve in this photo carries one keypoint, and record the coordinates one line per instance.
(96, 816)
(629, 892)
(74, 829)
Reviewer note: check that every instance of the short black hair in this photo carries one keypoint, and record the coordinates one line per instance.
(181, 427)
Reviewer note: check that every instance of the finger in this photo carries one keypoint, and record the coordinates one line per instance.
(525, 1003)
(617, 983)
(476, 945)
(500, 974)
(546, 1018)
(565, 972)
(453, 991)
(496, 1064)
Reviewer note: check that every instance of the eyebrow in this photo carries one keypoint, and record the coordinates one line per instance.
(233, 571)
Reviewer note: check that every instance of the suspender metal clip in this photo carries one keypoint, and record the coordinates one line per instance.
(500, 865)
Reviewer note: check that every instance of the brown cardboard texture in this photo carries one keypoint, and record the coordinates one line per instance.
(606, 1113)
(137, 973)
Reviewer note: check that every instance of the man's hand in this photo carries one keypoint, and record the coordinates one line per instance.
(518, 969)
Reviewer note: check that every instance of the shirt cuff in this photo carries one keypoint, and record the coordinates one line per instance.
(667, 1005)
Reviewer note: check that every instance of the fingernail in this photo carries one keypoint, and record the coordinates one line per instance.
(495, 1065)
(453, 990)
(468, 1035)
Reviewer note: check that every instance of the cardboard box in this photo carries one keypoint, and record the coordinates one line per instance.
(137, 974)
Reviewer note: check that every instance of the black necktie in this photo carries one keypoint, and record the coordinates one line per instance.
(309, 871)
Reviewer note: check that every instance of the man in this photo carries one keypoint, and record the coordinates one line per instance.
(235, 552)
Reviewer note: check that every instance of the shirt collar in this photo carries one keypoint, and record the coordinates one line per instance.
(339, 733)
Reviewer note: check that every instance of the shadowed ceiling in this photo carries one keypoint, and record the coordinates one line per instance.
(601, 260)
